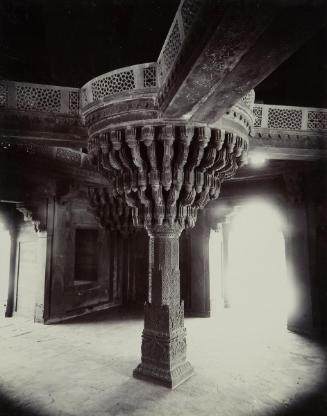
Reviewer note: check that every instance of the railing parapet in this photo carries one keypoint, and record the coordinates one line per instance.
(269, 116)
(126, 80)
(185, 16)
(25, 96)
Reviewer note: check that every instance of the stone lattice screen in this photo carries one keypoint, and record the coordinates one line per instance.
(62, 100)
(3, 95)
(113, 84)
(120, 82)
(150, 76)
(74, 102)
(248, 99)
(41, 98)
(170, 51)
(289, 118)
(38, 98)
(257, 111)
(179, 29)
(317, 119)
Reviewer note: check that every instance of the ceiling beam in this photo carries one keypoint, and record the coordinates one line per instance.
(230, 49)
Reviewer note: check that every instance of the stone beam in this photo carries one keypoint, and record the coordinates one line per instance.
(228, 49)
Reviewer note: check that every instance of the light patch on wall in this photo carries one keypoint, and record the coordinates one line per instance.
(260, 289)
(257, 159)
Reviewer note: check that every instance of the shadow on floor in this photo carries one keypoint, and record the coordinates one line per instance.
(310, 404)
(313, 404)
(127, 398)
(118, 313)
(9, 408)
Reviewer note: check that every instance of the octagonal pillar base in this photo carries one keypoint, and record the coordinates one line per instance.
(164, 346)
(170, 378)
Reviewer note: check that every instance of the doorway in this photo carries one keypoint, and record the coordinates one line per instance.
(254, 277)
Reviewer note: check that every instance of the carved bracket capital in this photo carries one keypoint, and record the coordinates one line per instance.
(31, 214)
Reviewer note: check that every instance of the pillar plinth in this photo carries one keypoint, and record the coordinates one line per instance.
(164, 336)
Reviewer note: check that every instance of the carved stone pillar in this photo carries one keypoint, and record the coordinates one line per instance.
(164, 336)
(160, 175)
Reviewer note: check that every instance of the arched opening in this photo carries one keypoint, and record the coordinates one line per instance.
(254, 288)
(259, 287)
(5, 244)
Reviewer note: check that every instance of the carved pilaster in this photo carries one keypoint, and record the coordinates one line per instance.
(164, 335)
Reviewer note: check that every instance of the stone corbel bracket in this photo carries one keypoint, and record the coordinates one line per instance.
(32, 214)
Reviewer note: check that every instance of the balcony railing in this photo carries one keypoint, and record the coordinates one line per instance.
(278, 117)
(126, 80)
(184, 18)
(62, 100)
(36, 97)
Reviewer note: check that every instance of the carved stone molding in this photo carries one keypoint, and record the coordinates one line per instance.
(99, 118)
(55, 129)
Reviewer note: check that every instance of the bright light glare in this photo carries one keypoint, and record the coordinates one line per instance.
(257, 269)
(257, 159)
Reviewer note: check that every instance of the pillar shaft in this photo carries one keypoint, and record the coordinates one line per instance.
(164, 336)
(164, 263)
(12, 270)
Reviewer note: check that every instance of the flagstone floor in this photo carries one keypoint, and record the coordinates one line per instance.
(84, 368)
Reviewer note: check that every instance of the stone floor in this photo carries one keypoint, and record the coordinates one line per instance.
(84, 368)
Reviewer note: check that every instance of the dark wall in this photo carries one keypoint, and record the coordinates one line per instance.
(47, 282)
(71, 292)
(194, 260)
(315, 196)
(136, 263)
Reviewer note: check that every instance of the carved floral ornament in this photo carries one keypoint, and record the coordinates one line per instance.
(161, 174)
